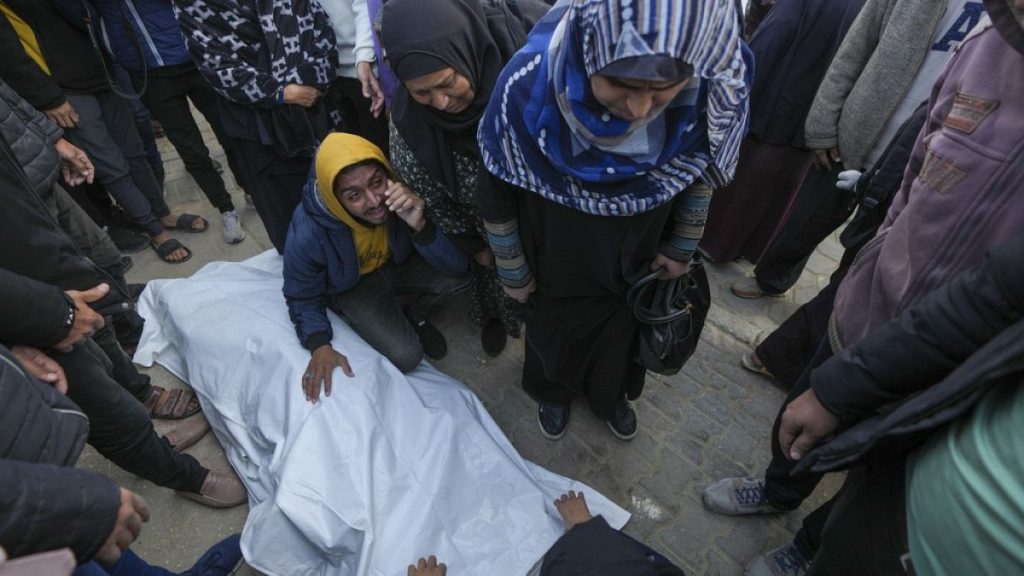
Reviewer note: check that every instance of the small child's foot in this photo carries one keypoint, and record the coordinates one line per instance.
(573, 509)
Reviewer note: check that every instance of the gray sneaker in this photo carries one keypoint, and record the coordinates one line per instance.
(737, 497)
(786, 560)
(233, 233)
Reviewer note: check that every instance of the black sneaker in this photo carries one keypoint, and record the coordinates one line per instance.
(127, 241)
(553, 419)
(435, 346)
(623, 420)
(126, 264)
(493, 337)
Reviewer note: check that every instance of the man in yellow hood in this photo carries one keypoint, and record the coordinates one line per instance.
(357, 241)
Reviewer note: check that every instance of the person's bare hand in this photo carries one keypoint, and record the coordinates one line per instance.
(41, 366)
(320, 371)
(521, 295)
(64, 115)
(371, 87)
(823, 159)
(75, 164)
(485, 257)
(304, 96)
(87, 320)
(672, 268)
(427, 567)
(805, 424)
(132, 513)
(401, 200)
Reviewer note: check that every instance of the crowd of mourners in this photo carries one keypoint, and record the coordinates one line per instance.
(535, 162)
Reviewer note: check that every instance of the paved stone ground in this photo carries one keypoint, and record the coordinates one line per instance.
(711, 420)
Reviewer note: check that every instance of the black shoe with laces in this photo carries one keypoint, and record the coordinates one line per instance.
(623, 420)
(493, 337)
(435, 346)
(553, 419)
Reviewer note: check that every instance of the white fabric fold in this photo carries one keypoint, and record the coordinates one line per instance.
(389, 468)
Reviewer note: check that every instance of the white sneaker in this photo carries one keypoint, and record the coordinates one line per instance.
(233, 233)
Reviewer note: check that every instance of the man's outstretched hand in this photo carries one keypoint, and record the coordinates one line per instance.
(320, 370)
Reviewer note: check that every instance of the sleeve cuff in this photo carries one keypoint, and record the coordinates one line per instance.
(365, 54)
(673, 252)
(317, 340)
(426, 236)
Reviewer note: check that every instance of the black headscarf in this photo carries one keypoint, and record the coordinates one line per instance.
(476, 38)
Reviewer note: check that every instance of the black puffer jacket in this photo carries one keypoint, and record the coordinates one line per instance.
(46, 503)
(34, 246)
(934, 362)
(31, 136)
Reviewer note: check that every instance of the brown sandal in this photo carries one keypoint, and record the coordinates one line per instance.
(172, 403)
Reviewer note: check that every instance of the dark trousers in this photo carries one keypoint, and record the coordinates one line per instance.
(864, 528)
(143, 123)
(782, 490)
(119, 427)
(602, 402)
(94, 243)
(107, 133)
(371, 307)
(346, 97)
(275, 185)
(167, 97)
(788, 350)
(820, 208)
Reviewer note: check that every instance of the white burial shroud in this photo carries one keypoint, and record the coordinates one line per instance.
(390, 468)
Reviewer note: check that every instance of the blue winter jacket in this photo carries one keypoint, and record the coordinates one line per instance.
(142, 34)
(320, 261)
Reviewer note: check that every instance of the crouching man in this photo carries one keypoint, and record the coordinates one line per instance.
(358, 243)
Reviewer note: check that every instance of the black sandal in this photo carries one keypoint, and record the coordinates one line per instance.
(185, 221)
(167, 248)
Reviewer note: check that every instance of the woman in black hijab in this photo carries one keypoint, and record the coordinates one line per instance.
(448, 54)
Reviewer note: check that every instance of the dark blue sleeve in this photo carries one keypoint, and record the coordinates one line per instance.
(305, 289)
(440, 252)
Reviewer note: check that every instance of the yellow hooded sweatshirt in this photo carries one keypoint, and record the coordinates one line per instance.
(337, 152)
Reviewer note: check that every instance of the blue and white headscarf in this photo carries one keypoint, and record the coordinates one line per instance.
(544, 130)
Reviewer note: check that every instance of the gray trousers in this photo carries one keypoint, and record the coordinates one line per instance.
(372, 308)
(106, 132)
(94, 243)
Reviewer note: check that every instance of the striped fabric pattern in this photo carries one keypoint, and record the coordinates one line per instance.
(545, 132)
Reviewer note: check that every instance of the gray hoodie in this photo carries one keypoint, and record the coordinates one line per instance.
(870, 75)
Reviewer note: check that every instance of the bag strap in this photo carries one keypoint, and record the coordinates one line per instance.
(633, 297)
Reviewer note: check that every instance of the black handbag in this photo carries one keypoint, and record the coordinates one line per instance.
(672, 315)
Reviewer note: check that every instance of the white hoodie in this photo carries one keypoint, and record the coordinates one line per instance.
(351, 22)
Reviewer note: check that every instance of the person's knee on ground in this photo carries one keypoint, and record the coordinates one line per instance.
(405, 355)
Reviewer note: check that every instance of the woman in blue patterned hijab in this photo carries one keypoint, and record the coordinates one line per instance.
(613, 124)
